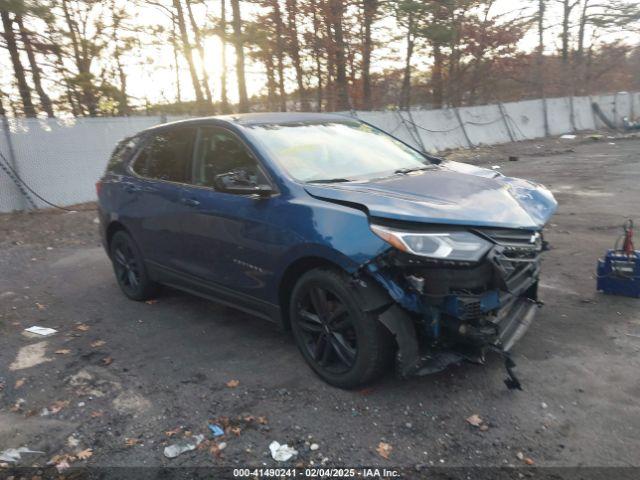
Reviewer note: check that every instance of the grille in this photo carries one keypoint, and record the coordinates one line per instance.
(516, 256)
(523, 245)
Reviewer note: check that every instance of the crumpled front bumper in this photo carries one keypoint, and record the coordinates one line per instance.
(446, 313)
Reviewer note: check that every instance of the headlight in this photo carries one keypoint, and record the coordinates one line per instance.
(462, 246)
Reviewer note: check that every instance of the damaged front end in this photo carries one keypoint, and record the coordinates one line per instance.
(457, 295)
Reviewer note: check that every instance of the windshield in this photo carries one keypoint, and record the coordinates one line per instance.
(336, 151)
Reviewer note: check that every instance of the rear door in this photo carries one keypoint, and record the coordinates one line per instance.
(160, 172)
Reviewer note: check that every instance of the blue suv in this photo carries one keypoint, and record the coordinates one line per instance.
(371, 252)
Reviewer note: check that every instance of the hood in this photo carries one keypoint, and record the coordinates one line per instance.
(449, 193)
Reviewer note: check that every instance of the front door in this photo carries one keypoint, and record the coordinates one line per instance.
(227, 236)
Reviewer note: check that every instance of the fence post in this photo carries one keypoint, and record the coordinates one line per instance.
(506, 124)
(464, 130)
(545, 116)
(615, 109)
(23, 196)
(572, 114)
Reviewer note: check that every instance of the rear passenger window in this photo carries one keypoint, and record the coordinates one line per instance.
(167, 155)
(123, 151)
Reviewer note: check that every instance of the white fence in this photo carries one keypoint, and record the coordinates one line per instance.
(62, 159)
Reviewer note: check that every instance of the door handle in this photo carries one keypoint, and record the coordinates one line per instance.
(131, 188)
(190, 202)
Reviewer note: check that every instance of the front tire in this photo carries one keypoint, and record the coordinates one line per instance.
(343, 344)
(129, 268)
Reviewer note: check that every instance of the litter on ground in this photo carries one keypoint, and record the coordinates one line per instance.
(44, 331)
(216, 430)
(13, 454)
(281, 453)
(186, 445)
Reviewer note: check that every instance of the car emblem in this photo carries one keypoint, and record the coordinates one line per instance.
(534, 238)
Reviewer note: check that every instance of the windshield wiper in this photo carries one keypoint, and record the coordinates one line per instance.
(409, 170)
(328, 180)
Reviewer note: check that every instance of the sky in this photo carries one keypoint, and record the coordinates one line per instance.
(157, 82)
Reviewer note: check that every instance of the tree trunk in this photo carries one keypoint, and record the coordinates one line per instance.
(188, 52)
(581, 30)
(369, 12)
(342, 98)
(3, 112)
(541, 81)
(271, 81)
(316, 54)
(566, 11)
(294, 48)
(176, 60)
(437, 91)
(45, 101)
(239, 45)
(405, 94)
(83, 64)
(123, 101)
(224, 100)
(18, 69)
(200, 47)
(277, 16)
(330, 48)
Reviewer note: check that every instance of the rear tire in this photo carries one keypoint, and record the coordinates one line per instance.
(343, 344)
(129, 268)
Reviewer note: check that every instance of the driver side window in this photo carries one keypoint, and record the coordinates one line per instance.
(222, 157)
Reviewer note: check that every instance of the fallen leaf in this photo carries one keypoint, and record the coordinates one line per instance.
(57, 406)
(474, 420)
(98, 343)
(249, 418)
(85, 454)
(262, 420)
(528, 461)
(153, 301)
(19, 383)
(233, 383)
(41, 306)
(83, 327)
(384, 450)
(175, 431)
(484, 427)
(130, 442)
(216, 450)
(62, 466)
(97, 413)
(106, 361)
(235, 430)
(62, 351)
(17, 407)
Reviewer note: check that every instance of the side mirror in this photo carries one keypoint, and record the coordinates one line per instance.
(239, 182)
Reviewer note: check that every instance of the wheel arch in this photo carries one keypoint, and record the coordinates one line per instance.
(290, 276)
(112, 228)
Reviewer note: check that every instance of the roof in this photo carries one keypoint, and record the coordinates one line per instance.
(247, 119)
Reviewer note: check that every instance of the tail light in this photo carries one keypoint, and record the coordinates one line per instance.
(98, 187)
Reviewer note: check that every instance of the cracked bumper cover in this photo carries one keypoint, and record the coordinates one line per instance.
(445, 313)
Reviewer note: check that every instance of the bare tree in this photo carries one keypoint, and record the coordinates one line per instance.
(238, 41)
(188, 51)
(18, 69)
(36, 74)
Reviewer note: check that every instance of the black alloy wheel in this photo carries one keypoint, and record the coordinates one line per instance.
(328, 331)
(342, 343)
(129, 268)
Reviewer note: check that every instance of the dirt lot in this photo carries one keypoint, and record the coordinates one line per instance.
(125, 379)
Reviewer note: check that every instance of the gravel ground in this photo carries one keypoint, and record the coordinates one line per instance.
(126, 379)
